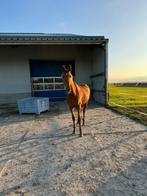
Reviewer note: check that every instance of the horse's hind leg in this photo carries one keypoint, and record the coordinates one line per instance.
(84, 110)
(73, 119)
(77, 121)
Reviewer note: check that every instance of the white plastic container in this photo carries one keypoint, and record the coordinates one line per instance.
(33, 105)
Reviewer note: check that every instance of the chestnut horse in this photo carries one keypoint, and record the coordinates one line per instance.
(77, 97)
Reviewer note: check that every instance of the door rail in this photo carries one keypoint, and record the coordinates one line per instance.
(97, 75)
(99, 91)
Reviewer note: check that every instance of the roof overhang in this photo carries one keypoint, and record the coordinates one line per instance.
(49, 39)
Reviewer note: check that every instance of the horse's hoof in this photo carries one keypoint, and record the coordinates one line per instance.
(81, 135)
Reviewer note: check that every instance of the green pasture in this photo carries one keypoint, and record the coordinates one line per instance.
(136, 96)
(133, 98)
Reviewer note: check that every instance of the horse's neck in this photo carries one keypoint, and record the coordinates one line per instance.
(74, 88)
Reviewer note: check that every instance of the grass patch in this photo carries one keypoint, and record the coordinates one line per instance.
(133, 98)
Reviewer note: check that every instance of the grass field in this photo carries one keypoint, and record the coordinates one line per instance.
(131, 101)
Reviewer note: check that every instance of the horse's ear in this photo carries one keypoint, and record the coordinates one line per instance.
(70, 68)
(64, 68)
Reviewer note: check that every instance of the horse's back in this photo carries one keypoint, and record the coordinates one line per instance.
(85, 88)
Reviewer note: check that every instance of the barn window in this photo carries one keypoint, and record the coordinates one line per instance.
(47, 83)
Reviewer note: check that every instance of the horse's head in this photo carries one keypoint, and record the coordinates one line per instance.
(67, 77)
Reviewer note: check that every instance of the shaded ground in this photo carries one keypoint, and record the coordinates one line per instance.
(39, 155)
(137, 113)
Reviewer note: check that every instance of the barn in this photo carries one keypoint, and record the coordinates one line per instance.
(30, 65)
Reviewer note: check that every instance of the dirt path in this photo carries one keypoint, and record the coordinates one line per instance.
(39, 155)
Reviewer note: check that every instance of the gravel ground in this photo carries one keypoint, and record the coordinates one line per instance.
(39, 156)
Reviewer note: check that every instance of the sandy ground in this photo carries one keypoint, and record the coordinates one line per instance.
(40, 156)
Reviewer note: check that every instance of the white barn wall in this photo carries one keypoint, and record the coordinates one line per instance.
(14, 75)
(15, 68)
(98, 66)
(83, 65)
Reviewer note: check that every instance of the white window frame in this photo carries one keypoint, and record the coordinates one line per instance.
(46, 83)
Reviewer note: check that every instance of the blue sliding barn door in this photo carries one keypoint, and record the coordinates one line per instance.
(46, 79)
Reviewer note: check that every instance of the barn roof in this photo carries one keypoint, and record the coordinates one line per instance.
(49, 38)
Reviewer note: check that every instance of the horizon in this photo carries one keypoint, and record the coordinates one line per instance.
(126, 82)
(130, 80)
(123, 23)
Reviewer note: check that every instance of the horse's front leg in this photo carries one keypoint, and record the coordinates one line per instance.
(80, 115)
(73, 119)
(79, 119)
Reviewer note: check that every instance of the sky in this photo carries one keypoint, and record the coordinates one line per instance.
(123, 22)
